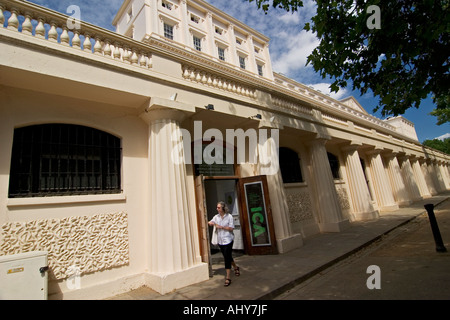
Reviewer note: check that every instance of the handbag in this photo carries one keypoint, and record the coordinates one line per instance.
(214, 237)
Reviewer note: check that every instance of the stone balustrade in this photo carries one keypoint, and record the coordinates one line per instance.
(212, 80)
(39, 22)
(331, 104)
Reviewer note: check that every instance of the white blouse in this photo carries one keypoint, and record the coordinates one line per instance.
(224, 237)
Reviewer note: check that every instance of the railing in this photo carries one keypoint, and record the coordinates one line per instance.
(39, 22)
(212, 80)
(333, 105)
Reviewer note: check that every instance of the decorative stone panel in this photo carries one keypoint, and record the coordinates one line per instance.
(89, 243)
(299, 204)
(343, 197)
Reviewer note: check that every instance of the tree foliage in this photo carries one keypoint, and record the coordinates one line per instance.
(288, 5)
(441, 145)
(402, 63)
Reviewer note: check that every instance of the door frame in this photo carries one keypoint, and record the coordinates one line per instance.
(202, 222)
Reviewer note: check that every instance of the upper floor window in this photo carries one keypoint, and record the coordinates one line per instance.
(63, 159)
(221, 53)
(167, 5)
(290, 166)
(260, 70)
(129, 14)
(197, 43)
(219, 30)
(195, 18)
(242, 62)
(168, 31)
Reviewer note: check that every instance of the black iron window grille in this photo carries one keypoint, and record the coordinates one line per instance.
(64, 159)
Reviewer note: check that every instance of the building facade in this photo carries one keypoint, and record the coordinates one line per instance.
(116, 147)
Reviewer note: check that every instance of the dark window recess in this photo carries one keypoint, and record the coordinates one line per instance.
(62, 159)
(290, 166)
(334, 164)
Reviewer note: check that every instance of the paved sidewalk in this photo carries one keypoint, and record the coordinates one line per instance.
(265, 277)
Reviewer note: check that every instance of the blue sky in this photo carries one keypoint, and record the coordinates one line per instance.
(289, 46)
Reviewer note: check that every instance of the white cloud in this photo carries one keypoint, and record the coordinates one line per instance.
(293, 55)
(443, 137)
(290, 18)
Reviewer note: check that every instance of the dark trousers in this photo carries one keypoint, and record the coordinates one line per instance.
(227, 251)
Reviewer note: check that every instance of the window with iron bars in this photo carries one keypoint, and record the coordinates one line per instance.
(64, 159)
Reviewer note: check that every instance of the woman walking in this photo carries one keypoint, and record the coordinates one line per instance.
(224, 223)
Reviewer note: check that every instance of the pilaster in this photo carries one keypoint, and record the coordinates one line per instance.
(184, 23)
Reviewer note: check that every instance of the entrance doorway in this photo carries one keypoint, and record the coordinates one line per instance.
(224, 190)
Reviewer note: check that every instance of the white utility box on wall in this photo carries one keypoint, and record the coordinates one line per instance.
(24, 276)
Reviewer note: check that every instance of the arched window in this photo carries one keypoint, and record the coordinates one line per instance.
(334, 164)
(64, 159)
(290, 166)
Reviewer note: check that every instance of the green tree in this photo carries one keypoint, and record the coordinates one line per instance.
(441, 145)
(402, 61)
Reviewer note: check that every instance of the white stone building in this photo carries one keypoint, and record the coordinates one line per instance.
(91, 125)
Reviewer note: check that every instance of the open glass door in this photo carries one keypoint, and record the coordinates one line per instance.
(202, 221)
(257, 216)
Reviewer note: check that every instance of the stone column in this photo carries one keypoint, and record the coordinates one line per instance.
(327, 202)
(269, 165)
(420, 179)
(359, 191)
(443, 171)
(382, 186)
(401, 195)
(408, 177)
(439, 181)
(426, 170)
(173, 260)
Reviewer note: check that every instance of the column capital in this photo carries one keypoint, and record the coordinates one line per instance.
(317, 141)
(158, 108)
(351, 146)
(403, 157)
(375, 151)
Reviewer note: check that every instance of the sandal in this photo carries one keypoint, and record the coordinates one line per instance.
(227, 282)
(237, 272)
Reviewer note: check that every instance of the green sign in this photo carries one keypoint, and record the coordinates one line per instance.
(257, 214)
